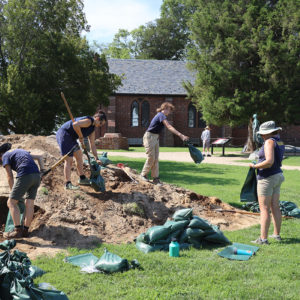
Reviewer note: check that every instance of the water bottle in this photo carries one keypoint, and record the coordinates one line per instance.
(174, 248)
(242, 252)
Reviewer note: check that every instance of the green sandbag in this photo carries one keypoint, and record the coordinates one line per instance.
(82, 260)
(145, 248)
(110, 263)
(96, 180)
(198, 222)
(249, 189)
(183, 214)
(176, 225)
(183, 238)
(103, 158)
(195, 242)
(218, 237)
(9, 226)
(194, 232)
(176, 234)
(157, 233)
(142, 238)
(195, 154)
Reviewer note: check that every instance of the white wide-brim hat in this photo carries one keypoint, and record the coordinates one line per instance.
(268, 127)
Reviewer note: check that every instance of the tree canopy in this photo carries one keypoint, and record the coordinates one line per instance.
(247, 58)
(41, 54)
(164, 38)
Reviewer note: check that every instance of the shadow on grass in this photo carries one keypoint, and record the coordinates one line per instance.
(290, 241)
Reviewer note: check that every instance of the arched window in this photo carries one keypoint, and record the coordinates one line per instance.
(191, 116)
(145, 114)
(201, 122)
(134, 114)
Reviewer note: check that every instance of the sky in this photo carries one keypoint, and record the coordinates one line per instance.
(106, 17)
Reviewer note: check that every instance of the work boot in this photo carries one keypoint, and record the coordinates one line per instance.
(70, 186)
(157, 181)
(25, 232)
(84, 181)
(15, 234)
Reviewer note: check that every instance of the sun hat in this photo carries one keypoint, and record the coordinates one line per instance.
(268, 127)
(207, 127)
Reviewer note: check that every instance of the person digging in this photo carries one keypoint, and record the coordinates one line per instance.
(27, 182)
(67, 136)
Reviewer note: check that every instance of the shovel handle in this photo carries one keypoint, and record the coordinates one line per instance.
(71, 116)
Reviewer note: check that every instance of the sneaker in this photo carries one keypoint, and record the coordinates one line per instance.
(144, 178)
(203, 155)
(15, 234)
(277, 237)
(84, 181)
(208, 155)
(157, 181)
(70, 186)
(260, 241)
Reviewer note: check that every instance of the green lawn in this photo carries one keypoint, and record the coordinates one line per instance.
(274, 273)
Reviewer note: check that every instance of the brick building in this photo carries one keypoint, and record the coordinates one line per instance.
(146, 85)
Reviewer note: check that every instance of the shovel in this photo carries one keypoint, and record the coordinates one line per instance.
(80, 133)
(121, 166)
(59, 162)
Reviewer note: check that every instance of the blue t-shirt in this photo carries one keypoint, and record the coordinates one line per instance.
(86, 131)
(20, 161)
(157, 124)
(278, 156)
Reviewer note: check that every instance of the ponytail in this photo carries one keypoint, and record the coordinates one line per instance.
(101, 115)
(166, 105)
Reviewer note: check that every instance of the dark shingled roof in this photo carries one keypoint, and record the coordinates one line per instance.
(151, 77)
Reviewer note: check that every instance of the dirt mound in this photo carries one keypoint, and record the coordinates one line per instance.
(85, 218)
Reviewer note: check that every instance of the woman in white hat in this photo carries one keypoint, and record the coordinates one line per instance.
(270, 178)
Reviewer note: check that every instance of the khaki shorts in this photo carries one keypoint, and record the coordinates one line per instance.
(270, 185)
(27, 184)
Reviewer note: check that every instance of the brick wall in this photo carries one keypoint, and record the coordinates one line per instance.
(119, 121)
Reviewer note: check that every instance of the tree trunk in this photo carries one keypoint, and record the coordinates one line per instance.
(250, 146)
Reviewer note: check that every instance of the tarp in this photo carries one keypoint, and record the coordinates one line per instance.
(287, 208)
(228, 252)
(17, 274)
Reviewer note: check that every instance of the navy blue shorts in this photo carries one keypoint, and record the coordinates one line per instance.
(65, 142)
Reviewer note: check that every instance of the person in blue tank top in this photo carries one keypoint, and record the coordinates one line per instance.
(67, 136)
(270, 178)
(27, 182)
(151, 141)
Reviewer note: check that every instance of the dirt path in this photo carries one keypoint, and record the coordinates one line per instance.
(185, 157)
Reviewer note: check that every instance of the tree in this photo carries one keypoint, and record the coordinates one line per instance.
(164, 38)
(246, 55)
(41, 54)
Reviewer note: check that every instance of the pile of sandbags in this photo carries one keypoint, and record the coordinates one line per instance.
(187, 229)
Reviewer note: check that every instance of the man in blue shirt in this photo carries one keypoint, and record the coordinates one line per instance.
(27, 182)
